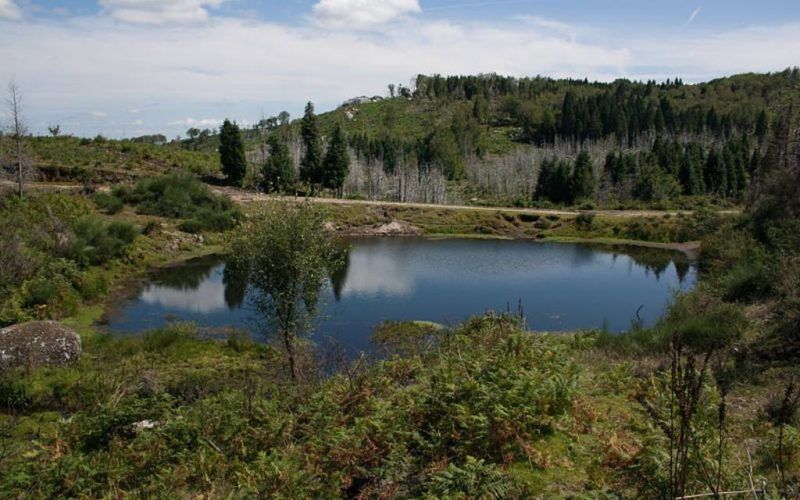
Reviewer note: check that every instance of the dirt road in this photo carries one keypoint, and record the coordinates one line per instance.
(243, 196)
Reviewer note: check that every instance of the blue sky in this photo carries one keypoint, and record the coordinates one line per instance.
(130, 67)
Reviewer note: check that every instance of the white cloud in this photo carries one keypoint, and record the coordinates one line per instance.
(9, 10)
(362, 13)
(191, 122)
(159, 11)
(233, 67)
(207, 298)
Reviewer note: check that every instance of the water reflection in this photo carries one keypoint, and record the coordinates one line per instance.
(561, 287)
(207, 296)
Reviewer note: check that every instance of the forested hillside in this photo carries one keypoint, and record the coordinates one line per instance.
(490, 137)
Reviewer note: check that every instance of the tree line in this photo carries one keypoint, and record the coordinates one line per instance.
(319, 167)
(668, 169)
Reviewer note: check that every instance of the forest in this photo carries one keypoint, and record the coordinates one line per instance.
(489, 139)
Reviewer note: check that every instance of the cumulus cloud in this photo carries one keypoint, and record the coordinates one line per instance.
(225, 67)
(362, 13)
(9, 10)
(191, 122)
(159, 11)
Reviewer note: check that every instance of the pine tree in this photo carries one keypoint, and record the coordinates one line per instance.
(691, 170)
(311, 164)
(716, 174)
(544, 184)
(441, 150)
(337, 162)
(762, 126)
(278, 171)
(231, 153)
(583, 180)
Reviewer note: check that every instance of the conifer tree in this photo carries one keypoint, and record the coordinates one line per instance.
(716, 175)
(311, 164)
(231, 152)
(583, 180)
(278, 171)
(337, 162)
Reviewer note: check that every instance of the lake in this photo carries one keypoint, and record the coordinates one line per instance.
(559, 287)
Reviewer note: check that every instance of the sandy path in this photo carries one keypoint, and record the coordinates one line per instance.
(242, 196)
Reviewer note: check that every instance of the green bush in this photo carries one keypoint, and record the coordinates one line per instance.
(108, 203)
(584, 221)
(40, 291)
(182, 196)
(96, 242)
(93, 284)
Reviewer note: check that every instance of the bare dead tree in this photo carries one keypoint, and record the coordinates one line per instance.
(17, 131)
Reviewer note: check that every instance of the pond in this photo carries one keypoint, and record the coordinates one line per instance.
(558, 287)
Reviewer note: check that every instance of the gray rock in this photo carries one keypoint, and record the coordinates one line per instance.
(38, 343)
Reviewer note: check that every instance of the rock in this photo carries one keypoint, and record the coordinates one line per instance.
(398, 228)
(38, 343)
(144, 425)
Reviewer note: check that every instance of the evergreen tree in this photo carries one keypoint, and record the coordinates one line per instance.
(311, 163)
(553, 183)
(441, 149)
(762, 126)
(278, 171)
(716, 175)
(545, 180)
(337, 162)
(562, 188)
(691, 170)
(583, 182)
(231, 153)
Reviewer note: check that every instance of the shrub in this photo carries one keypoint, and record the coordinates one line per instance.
(92, 284)
(40, 291)
(584, 221)
(108, 203)
(96, 242)
(182, 196)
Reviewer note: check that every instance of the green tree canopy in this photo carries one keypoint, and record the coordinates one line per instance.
(231, 152)
(287, 256)
(278, 171)
(583, 180)
(337, 162)
(311, 163)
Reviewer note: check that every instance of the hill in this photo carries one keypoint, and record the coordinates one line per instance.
(486, 139)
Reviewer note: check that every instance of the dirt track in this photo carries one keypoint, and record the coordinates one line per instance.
(242, 196)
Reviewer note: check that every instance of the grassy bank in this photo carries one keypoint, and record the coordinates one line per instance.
(439, 221)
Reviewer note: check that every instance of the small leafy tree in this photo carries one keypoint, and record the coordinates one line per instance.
(337, 162)
(287, 256)
(278, 170)
(231, 152)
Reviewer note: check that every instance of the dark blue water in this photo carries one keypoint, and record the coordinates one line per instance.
(561, 287)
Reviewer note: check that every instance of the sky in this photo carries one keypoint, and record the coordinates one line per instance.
(124, 68)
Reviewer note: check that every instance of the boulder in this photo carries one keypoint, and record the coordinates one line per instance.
(38, 343)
